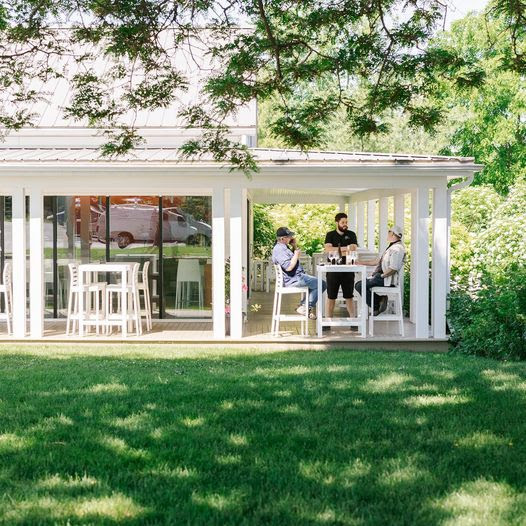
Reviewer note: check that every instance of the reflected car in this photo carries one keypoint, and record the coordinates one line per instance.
(140, 223)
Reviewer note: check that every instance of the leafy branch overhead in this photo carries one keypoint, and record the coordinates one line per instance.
(315, 59)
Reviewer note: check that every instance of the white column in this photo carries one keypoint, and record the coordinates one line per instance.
(352, 216)
(360, 211)
(439, 264)
(236, 262)
(399, 210)
(19, 263)
(422, 263)
(244, 241)
(218, 262)
(414, 257)
(36, 259)
(382, 222)
(371, 218)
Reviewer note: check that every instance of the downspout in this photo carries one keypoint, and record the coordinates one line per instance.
(453, 188)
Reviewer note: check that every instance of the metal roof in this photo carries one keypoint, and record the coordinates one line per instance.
(189, 58)
(265, 156)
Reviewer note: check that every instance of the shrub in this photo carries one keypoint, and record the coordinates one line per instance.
(487, 314)
(491, 321)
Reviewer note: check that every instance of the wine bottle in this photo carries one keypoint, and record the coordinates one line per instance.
(340, 255)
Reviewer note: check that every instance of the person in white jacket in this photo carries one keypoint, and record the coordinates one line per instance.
(387, 271)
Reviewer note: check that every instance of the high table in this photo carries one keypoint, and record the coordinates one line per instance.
(359, 321)
(86, 269)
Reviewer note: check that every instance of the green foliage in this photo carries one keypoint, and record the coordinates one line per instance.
(491, 320)
(488, 119)
(472, 210)
(264, 232)
(309, 56)
(488, 301)
(310, 222)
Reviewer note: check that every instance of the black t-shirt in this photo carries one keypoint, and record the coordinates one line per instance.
(343, 240)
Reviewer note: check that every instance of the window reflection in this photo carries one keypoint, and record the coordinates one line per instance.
(176, 243)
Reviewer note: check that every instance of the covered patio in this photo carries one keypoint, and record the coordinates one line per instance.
(374, 189)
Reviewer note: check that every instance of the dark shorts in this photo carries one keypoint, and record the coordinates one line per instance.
(335, 280)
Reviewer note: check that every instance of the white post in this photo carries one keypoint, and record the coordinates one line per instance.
(422, 263)
(236, 262)
(382, 220)
(218, 262)
(36, 259)
(414, 257)
(371, 217)
(399, 210)
(19, 263)
(244, 241)
(439, 264)
(352, 216)
(360, 210)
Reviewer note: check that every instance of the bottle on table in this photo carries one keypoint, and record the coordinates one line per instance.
(340, 255)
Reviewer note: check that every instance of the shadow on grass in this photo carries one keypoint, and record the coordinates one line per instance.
(286, 438)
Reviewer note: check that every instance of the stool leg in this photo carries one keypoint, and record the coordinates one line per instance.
(401, 313)
(307, 313)
(371, 317)
(278, 314)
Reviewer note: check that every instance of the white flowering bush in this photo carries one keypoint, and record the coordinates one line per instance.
(471, 211)
(503, 242)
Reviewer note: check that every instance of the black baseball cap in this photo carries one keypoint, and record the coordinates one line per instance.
(283, 231)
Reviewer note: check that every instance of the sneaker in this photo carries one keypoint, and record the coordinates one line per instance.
(312, 314)
(301, 310)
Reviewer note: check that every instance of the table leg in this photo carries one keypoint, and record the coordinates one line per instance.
(365, 311)
(124, 303)
(319, 306)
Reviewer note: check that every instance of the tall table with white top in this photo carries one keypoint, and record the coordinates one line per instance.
(358, 321)
(86, 270)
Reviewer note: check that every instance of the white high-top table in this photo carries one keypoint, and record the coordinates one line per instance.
(85, 271)
(359, 321)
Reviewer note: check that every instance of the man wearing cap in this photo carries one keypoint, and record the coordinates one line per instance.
(293, 273)
(386, 273)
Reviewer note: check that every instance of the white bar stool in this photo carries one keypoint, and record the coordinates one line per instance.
(279, 292)
(96, 291)
(134, 306)
(394, 294)
(144, 287)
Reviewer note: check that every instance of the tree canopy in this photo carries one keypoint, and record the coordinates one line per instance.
(371, 56)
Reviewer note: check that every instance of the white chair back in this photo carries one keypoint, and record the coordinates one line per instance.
(73, 274)
(278, 273)
(144, 273)
(134, 274)
(7, 275)
(188, 270)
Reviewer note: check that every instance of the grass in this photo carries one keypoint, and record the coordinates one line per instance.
(156, 435)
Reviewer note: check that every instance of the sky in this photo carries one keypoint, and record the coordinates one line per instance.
(460, 8)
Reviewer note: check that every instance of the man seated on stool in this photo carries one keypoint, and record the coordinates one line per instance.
(293, 273)
(345, 239)
(386, 273)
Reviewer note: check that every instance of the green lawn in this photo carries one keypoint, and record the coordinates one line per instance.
(155, 435)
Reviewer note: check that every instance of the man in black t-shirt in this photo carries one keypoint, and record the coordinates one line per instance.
(346, 239)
